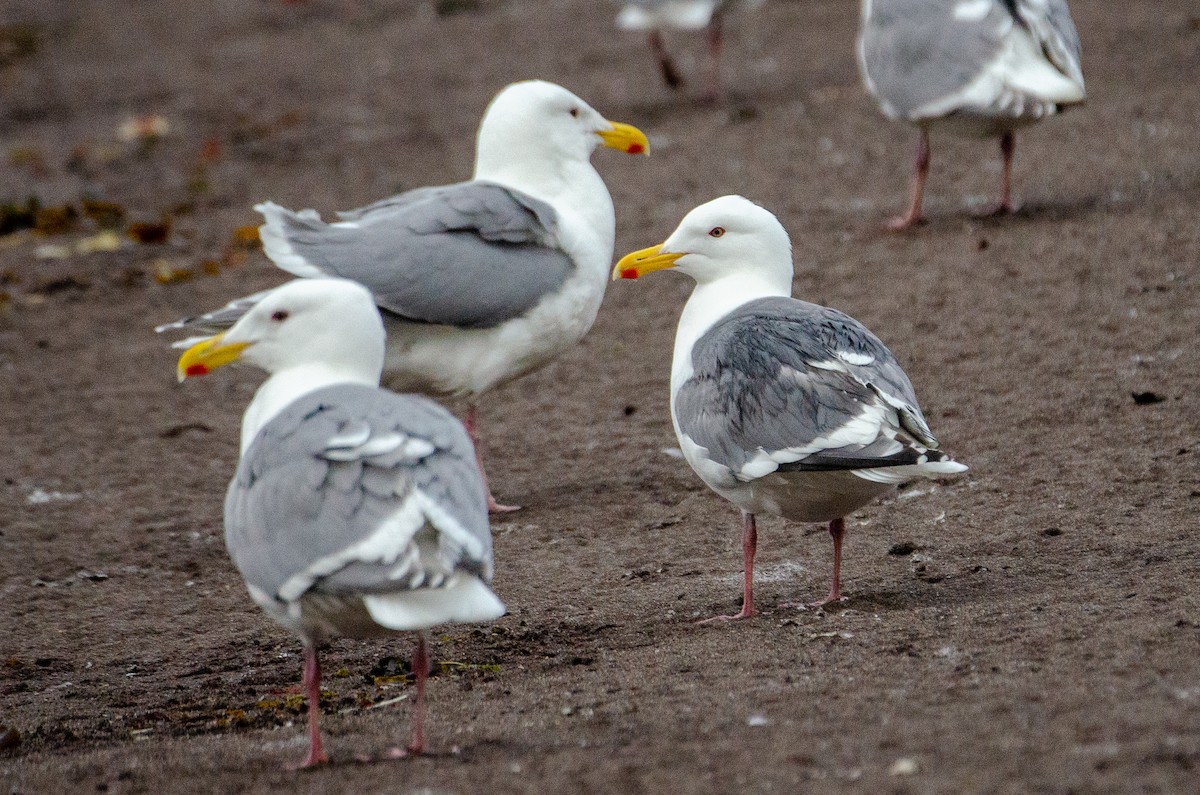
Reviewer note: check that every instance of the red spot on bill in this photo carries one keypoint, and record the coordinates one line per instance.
(629, 273)
(196, 369)
(635, 149)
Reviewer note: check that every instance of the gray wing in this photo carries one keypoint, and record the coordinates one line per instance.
(473, 254)
(353, 489)
(916, 52)
(785, 384)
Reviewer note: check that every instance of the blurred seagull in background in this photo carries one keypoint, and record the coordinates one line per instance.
(978, 68)
(654, 16)
(354, 512)
(781, 406)
(482, 281)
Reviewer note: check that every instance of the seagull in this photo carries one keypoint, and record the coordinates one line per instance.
(653, 16)
(979, 68)
(355, 511)
(781, 406)
(483, 281)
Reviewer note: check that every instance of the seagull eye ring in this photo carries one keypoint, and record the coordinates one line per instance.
(575, 113)
(279, 315)
(716, 231)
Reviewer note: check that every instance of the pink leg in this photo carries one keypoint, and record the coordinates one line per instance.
(471, 422)
(420, 668)
(670, 72)
(749, 544)
(715, 44)
(421, 673)
(1008, 146)
(312, 683)
(837, 529)
(913, 216)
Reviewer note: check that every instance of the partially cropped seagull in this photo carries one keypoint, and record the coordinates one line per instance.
(652, 17)
(354, 511)
(979, 68)
(781, 406)
(482, 281)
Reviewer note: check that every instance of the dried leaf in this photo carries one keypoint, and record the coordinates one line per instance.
(247, 237)
(166, 273)
(106, 214)
(149, 232)
(54, 220)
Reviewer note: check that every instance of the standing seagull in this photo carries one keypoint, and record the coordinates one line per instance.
(653, 16)
(482, 281)
(781, 406)
(979, 68)
(354, 511)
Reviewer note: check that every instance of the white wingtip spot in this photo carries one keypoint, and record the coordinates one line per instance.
(972, 10)
(855, 358)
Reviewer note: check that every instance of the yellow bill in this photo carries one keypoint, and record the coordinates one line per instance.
(626, 138)
(646, 260)
(207, 355)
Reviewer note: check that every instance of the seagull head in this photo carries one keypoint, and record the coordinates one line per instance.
(331, 322)
(542, 120)
(724, 237)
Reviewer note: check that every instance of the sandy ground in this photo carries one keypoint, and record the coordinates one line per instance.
(1030, 628)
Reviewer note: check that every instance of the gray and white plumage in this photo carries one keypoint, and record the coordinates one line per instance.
(354, 511)
(974, 67)
(479, 282)
(784, 386)
(482, 281)
(360, 512)
(991, 65)
(469, 255)
(779, 405)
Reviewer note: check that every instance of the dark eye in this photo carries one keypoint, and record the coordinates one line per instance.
(716, 231)
(279, 315)
(575, 113)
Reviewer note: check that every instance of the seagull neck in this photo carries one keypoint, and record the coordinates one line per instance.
(286, 386)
